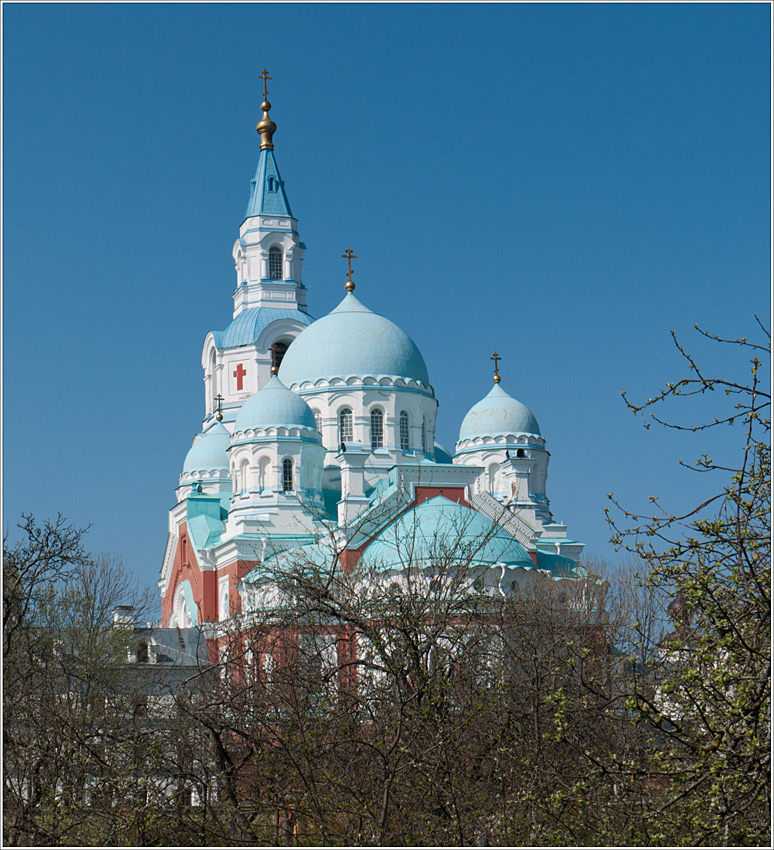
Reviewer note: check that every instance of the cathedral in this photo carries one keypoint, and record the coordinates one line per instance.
(318, 441)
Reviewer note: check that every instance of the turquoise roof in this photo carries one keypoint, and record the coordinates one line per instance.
(209, 450)
(267, 191)
(437, 527)
(498, 414)
(350, 342)
(206, 516)
(274, 406)
(250, 324)
(558, 564)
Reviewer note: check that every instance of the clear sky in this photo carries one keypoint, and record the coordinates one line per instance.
(563, 183)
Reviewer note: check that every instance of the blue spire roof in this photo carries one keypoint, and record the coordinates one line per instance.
(267, 191)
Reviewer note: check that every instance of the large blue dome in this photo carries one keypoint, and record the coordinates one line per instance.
(351, 342)
(274, 406)
(209, 450)
(498, 414)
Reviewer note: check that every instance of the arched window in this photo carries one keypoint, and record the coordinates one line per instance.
(493, 470)
(520, 453)
(272, 184)
(404, 431)
(377, 428)
(263, 473)
(244, 476)
(345, 425)
(317, 420)
(275, 263)
(287, 475)
(424, 436)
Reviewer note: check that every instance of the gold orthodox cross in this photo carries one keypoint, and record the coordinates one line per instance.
(496, 357)
(349, 256)
(219, 411)
(265, 77)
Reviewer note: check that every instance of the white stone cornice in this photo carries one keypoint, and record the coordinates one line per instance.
(362, 382)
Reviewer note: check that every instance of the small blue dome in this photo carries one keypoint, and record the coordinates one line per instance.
(351, 342)
(441, 455)
(498, 414)
(209, 450)
(438, 527)
(274, 406)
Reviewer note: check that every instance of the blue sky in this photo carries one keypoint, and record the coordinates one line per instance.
(563, 183)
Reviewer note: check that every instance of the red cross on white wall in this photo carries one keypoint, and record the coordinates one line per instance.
(239, 373)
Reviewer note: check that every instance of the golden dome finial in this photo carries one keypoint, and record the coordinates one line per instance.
(266, 127)
(349, 256)
(219, 411)
(496, 357)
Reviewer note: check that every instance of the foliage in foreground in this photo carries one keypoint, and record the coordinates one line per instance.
(707, 694)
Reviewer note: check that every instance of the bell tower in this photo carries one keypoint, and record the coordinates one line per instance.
(270, 299)
(268, 253)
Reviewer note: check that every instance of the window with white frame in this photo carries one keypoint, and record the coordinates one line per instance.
(404, 431)
(287, 475)
(275, 263)
(377, 428)
(346, 432)
(223, 601)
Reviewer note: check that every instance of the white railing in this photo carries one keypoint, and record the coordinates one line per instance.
(519, 528)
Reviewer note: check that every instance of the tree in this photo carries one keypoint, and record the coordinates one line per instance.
(704, 694)
(73, 740)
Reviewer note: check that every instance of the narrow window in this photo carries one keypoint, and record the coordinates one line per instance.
(275, 263)
(287, 475)
(377, 429)
(272, 185)
(424, 436)
(345, 425)
(318, 421)
(404, 430)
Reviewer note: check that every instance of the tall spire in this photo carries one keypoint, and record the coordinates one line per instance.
(266, 127)
(268, 252)
(267, 191)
